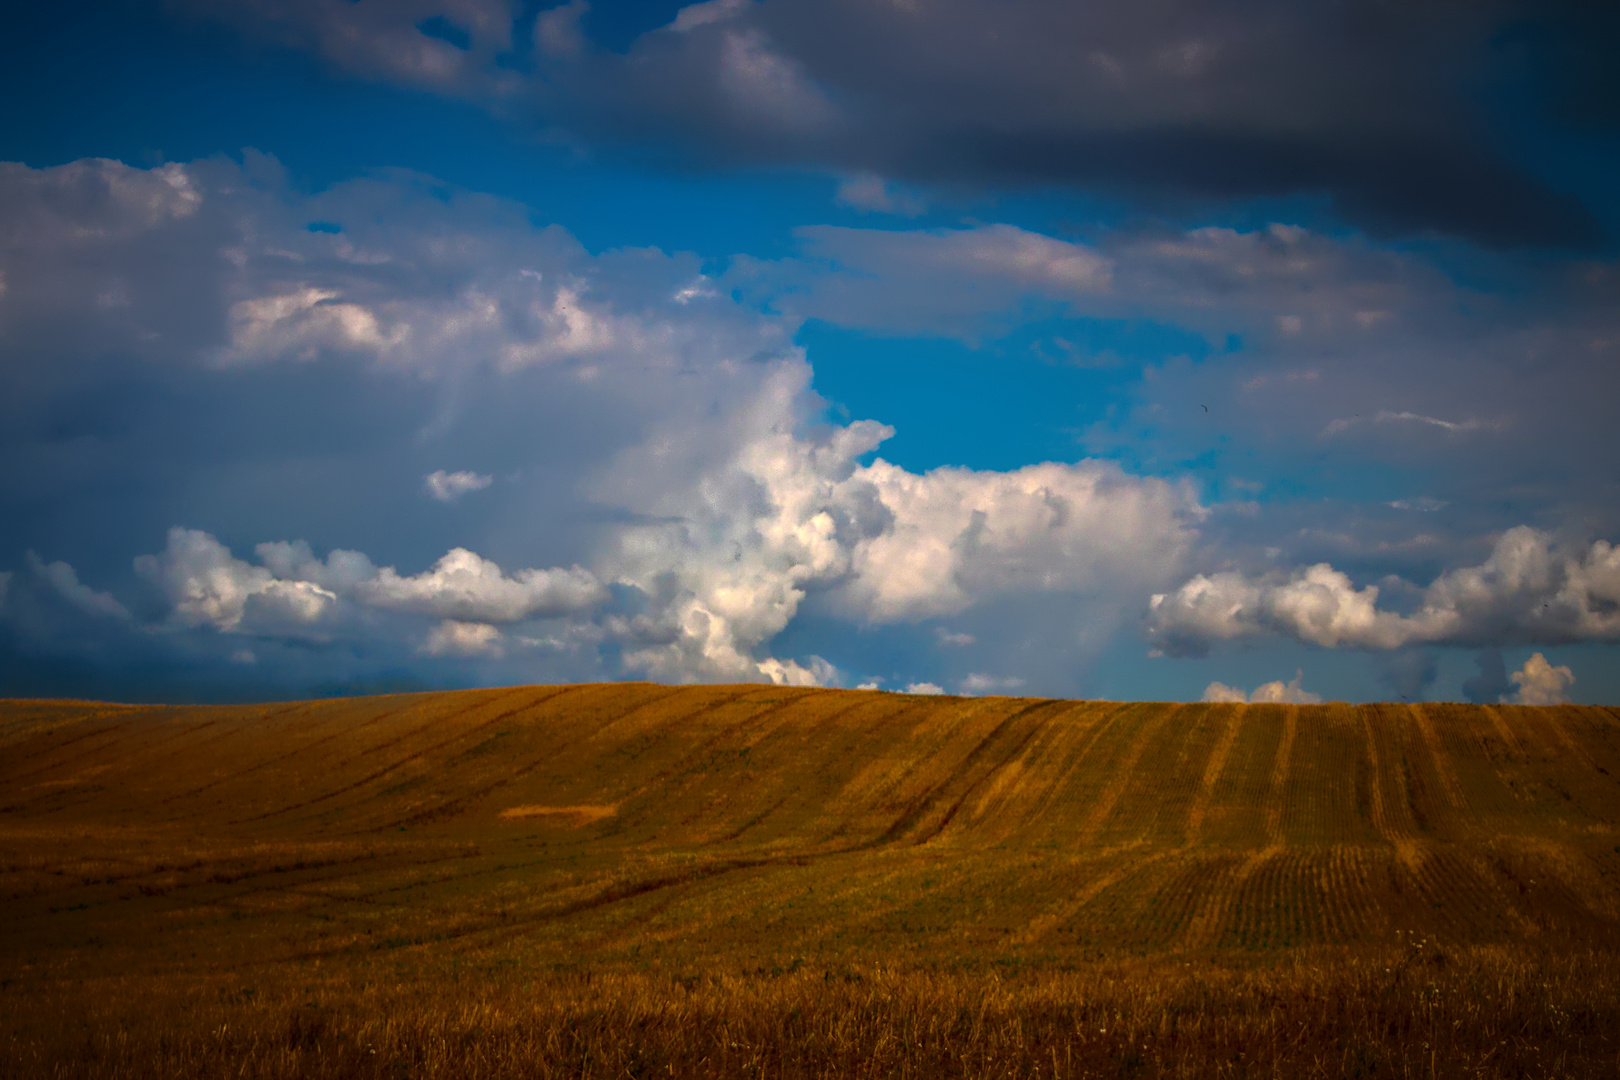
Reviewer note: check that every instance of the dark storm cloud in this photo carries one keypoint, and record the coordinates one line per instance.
(1392, 111)
(1388, 185)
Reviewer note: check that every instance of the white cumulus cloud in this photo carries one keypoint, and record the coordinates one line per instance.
(305, 323)
(1530, 589)
(1276, 692)
(465, 586)
(455, 638)
(293, 593)
(817, 672)
(207, 586)
(752, 520)
(1540, 683)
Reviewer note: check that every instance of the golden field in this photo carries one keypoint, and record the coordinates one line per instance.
(638, 880)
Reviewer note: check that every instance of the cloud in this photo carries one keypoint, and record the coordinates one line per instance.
(340, 571)
(293, 594)
(453, 638)
(81, 240)
(936, 281)
(1290, 290)
(710, 11)
(1540, 683)
(557, 31)
(924, 688)
(464, 586)
(396, 43)
(1385, 416)
(1279, 692)
(1529, 590)
(870, 192)
(817, 672)
(1372, 323)
(1288, 693)
(1219, 692)
(953, 640)
(980, 683)
(750, 520)
(788, 516)
(450, 486)
(303, 324)
(700, 498)
(420, 279)
(961, 534)
(206, 585)
(94, 201)
(767, 87)
(1365, 322)
(1162, 107)
(669, 459)
(411, 276)
(61, 577)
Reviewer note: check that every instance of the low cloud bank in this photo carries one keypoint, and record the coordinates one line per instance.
(1530, 590)
(1277, 692)
(733, 530)
(295, 594)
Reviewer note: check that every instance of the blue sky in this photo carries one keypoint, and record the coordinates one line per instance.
(1139, 351)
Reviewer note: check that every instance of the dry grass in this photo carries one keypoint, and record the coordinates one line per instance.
(1478, 1013)
(640, 880)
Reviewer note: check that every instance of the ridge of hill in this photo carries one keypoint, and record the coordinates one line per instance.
(619, 821)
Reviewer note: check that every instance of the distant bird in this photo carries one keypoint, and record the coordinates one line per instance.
(1204, 407)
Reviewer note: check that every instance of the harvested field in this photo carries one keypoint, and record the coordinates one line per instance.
(599, 879)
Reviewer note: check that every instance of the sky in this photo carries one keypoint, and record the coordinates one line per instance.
(1130, 350)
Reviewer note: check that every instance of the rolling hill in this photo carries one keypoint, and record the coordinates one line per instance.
(819, 820)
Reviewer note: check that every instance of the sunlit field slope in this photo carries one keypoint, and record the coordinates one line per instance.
(651, 832)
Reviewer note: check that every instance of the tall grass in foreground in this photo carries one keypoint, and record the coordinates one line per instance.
(1421, 1013)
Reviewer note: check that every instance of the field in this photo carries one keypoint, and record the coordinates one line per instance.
(638, 880)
